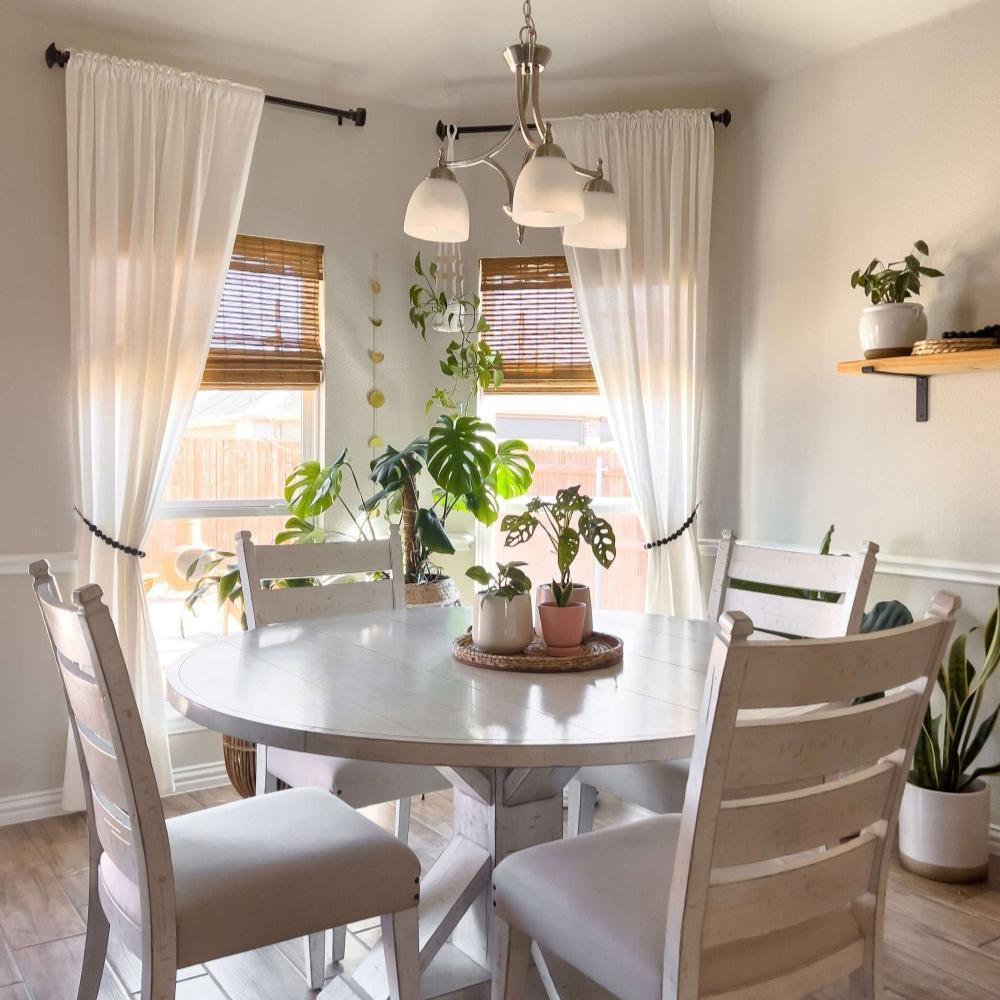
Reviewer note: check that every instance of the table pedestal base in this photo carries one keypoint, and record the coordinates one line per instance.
(497, 811)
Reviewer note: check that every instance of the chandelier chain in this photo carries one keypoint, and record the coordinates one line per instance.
(528, 33)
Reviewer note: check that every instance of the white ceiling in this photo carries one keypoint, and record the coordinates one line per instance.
(430, 52)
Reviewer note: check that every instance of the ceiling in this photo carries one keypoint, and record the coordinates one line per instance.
(437, 52)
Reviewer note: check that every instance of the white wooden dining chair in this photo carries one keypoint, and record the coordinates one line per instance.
(751, 893)
(228, 879)
(844, 582)
(359, 783)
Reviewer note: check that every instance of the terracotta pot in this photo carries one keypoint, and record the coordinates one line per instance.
(946, 835)
(502, 626)
(562, 628)
(581, 595)
(440, 593)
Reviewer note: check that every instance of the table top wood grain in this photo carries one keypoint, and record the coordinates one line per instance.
(384, 686)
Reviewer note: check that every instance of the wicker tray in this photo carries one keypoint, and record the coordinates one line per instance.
(600, 650)
(954, 346)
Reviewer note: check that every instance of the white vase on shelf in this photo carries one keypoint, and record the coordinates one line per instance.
(890, 330)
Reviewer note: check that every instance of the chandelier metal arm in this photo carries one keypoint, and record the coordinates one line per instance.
(523, 85)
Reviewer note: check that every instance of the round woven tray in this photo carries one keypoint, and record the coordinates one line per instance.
(954, 346)
(600, 650)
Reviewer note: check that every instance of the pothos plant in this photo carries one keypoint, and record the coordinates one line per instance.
(469, 469)
(469, 362)
(311, 489)
(950, 743)
(566, 521)
(509, 582)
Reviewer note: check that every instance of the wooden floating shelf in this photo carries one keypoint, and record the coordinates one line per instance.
(928, 364)
(921, 366)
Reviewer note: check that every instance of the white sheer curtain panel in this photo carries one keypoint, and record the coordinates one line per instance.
(158, 163)
(644, 313)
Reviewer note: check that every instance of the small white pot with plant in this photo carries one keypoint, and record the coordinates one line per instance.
(501, 614)
(891, 325)
(944, 821)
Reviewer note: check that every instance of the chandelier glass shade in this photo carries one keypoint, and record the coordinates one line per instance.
(550, 190)
(438, 209)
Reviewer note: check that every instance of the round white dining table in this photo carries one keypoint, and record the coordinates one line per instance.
(384, 686)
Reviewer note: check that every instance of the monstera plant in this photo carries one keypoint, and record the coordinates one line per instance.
(470, 472)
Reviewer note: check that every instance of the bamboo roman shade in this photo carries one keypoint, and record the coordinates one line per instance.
(267, 332)
(535, 325)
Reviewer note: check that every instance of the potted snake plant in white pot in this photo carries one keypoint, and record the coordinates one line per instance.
(501, 614)
(891, 325)
(944, 820)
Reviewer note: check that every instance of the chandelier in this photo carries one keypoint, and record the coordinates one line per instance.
(548, 192)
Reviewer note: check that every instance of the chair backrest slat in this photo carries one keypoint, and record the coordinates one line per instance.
(792, 803)
(818, 743)
(774, 895)
(124, 812)
(260, 564)
(848, 578)
(760, 828)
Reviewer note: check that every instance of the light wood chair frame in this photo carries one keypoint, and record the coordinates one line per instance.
(755, 858)
(850, 576)
(124, 813)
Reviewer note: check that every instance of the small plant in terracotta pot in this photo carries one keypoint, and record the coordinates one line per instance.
(501, 614)
(567, 521)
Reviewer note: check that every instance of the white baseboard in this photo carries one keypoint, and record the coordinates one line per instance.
(41, 805)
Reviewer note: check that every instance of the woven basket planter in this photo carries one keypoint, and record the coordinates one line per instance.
(240, 757)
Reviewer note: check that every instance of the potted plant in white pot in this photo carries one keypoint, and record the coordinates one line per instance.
(891, 325)
(944, 820)
(501, 614)
(566, 520)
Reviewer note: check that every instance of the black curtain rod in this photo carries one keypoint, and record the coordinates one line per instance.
(59, 57)
(722, 118)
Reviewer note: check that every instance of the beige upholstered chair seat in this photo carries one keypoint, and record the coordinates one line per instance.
(597, 901)
(359, 783)
(603, 910)
(272, 868)
(658, 785)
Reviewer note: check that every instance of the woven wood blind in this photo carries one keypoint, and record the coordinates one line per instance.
(267, 332)
(535, 325)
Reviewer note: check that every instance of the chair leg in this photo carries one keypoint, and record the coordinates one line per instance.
(95, 948)
(339, 944)
(582, 799)
(866, 982)
(266, 782)
(316, 959)
(400, 944)
(403, 819)
(511, 952)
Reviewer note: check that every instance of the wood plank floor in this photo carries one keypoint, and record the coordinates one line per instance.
(942, 942)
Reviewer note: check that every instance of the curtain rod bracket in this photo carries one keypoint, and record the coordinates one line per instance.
(60, 57)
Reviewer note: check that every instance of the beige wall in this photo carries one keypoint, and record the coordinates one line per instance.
(860, 157)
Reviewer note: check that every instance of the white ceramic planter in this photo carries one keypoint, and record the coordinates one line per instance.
(891, 330)
(946, 835)
(502, 626)
(581, 595)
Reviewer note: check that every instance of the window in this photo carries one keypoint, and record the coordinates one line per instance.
(549, 399)
(255, 418)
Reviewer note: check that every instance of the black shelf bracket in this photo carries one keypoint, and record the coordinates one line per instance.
(922, 384)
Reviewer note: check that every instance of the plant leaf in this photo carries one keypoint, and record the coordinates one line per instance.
(512, 469)
(431, 533)
(460, 452)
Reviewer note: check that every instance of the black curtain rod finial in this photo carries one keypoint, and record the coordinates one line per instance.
(56, 57)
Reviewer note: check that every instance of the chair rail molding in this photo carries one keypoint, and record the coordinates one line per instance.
(983, 574)
(16, 563)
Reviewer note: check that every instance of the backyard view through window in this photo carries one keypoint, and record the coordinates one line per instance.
(549, 399)
(255, 418)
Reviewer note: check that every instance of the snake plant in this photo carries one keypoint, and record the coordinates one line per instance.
(950, 743)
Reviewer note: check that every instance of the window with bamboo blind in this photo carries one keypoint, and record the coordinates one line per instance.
(267, 332)
(535, 325)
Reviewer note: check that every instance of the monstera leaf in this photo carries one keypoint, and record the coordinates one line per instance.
(431, 533)
(483, 503)
(567, 546)
(311, 489)
(512, 469)
(460, 453)
(600, 536)
(392, 467)
(519, 527)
